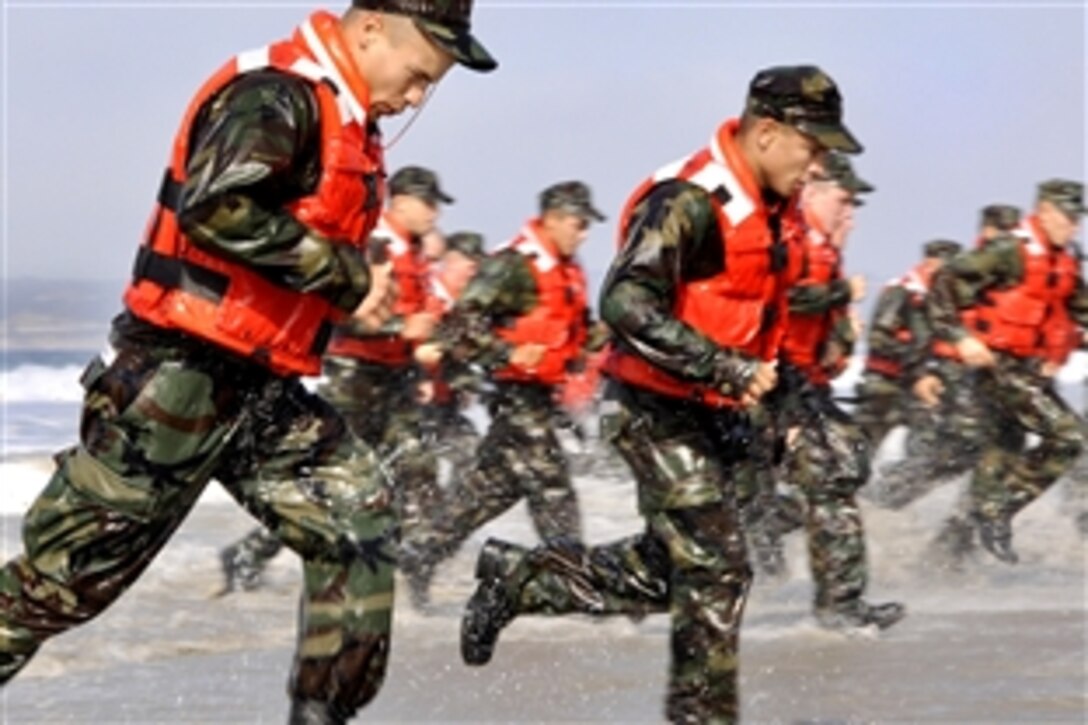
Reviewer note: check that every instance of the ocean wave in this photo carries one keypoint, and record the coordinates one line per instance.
(41, 384)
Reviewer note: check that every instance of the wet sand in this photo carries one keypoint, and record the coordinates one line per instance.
(993, 644)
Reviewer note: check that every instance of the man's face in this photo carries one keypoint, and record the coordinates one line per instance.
(414, 214)
(397, 61)
(932, 264)
(567, 230)
(831, 205)
(786, 155)
(434, 244)
(1059, 227)
(457, 270)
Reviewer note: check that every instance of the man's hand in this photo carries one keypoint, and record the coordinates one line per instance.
(1050, 369)
(428, 354)
(928, 389)
(975, 353)
(763, 382)
(377, 306)
(528, 356)
(419, 326)
(857, 288)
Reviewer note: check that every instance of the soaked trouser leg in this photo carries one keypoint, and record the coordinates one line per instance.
(245, 560)
(690, 561)
(943, 442)
(829, 462)
(158, 423)
(381, 406)
(881, 405)
(1008, 479)
(520, 457)
(317, 487)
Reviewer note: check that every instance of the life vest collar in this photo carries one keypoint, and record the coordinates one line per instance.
(322, 36)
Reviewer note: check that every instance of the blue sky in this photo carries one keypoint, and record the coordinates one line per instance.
(958, 105)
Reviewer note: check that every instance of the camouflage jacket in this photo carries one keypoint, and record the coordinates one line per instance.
(503, 289)
(672, 238)
(961, 283)
(254, 149)
(896, 312)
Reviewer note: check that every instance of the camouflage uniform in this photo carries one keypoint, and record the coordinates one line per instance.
(945, 441)
(690, 559)
(520, 456)
(165, 413)
(828, 459)
(380, 403)
(898, 345)
(1015, 394)
(168, 413)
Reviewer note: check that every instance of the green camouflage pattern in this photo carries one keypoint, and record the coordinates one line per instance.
(1065, 194)
(942, 442)
(380, 404)
(262, 132)
(806, 97)
(161, 419)
(418, 182)
(672, 238)
(1003, 217)
(1018, 397)
(963, 281)
(882, 405)
(503, 288)
(573, 197)
(447, 23)
(837, 168)
(883, 399)
(828, 461)
(690, 560)
(519, 458)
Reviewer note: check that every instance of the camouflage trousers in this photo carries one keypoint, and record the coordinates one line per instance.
(379, 404)
(882, 405)
(942, 442)
(768, 511)
(828, 461)
(159, 422)
(1018, 398)
(519, 457)
(689, 561)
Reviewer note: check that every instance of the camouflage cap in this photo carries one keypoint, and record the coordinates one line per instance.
(469, 244)
(942, 248)
(1003, 216)
(446, 22)
(1065, 194)
(804, 97)
(418, 182)
(836, 167)
(570, 196)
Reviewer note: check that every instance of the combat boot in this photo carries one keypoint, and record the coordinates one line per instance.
(315, 712)
(491, 607)
(955, 541)
(859, 614)
(996, 537)
(418, 568)
(238, 574)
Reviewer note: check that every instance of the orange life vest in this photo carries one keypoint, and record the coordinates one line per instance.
(411, 273)
(1031, 319)
(744, 307)
(807, 335)
(558, 321)
(177, 285)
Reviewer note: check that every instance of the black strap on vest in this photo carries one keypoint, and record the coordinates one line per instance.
(173, 273)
